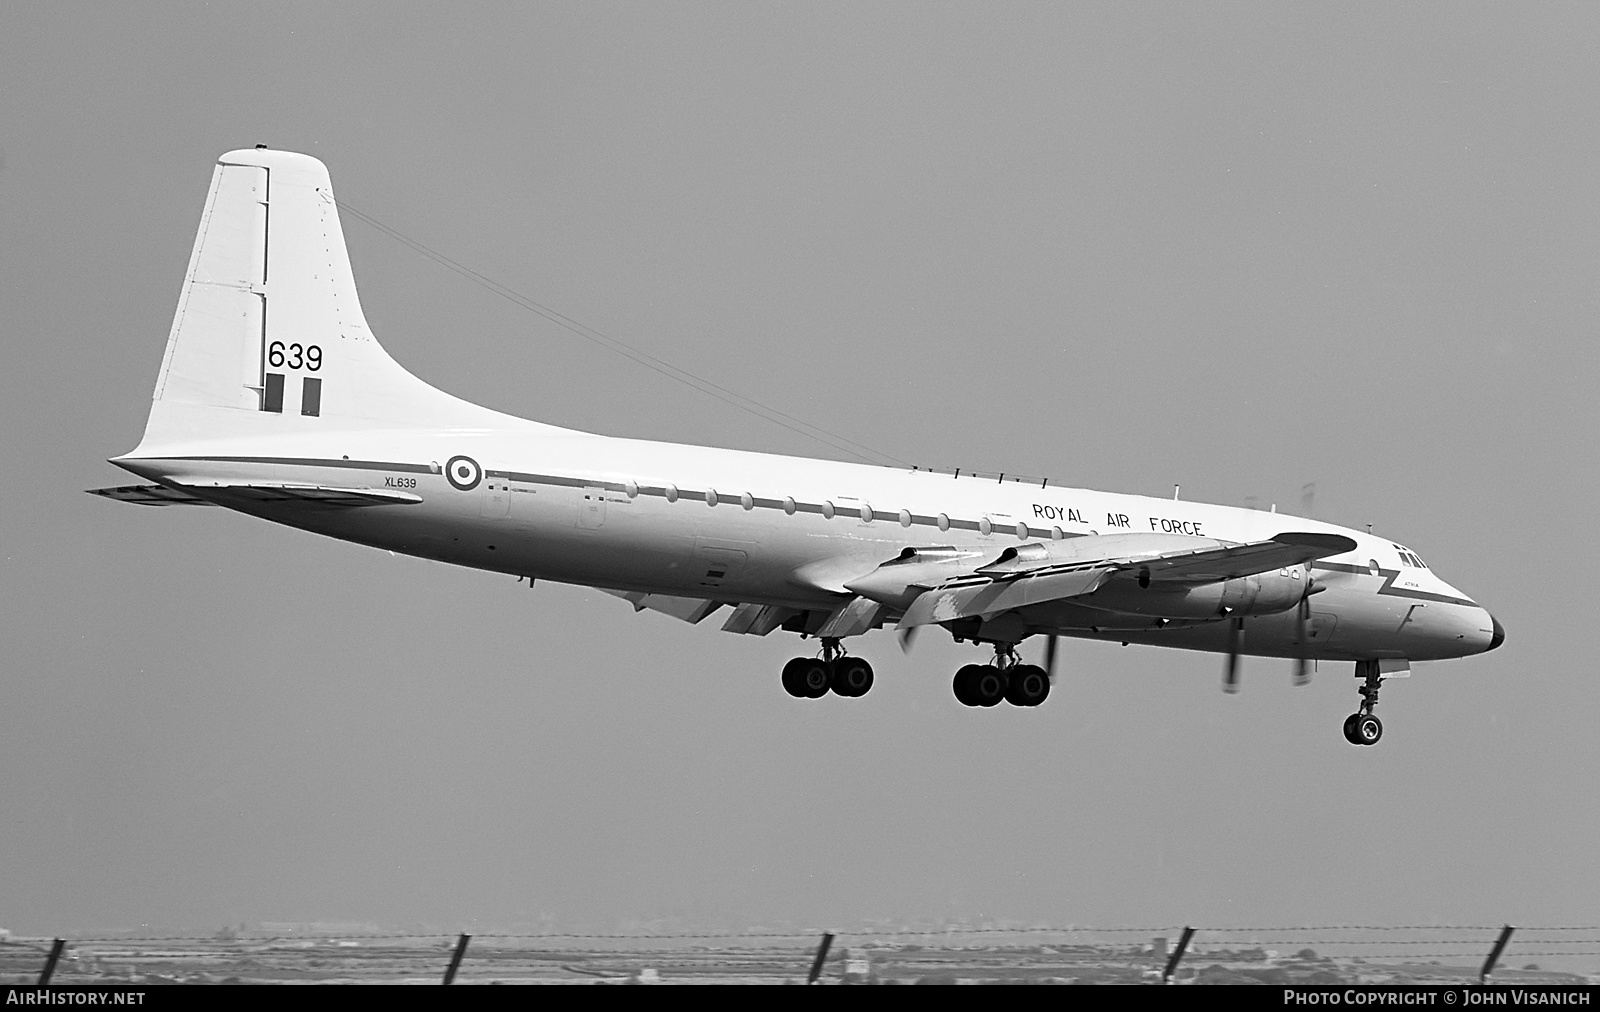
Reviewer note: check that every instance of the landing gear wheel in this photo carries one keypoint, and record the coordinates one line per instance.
(989, 686)
(852, 676)
(814, 677)
(794, 682)
(964, 684)
(1027, 685)
(1367, 729)
(1350, 729)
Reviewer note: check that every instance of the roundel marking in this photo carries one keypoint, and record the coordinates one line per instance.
(463, 473)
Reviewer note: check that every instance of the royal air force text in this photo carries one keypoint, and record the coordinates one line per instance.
(1121, 521)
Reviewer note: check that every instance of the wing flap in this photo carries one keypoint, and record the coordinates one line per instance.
(951, 602)
(852, 618)
(757, 619)
(692, 610)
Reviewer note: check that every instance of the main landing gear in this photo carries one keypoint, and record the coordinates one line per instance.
(812, 677)
(1363, 727)
(1007, 678)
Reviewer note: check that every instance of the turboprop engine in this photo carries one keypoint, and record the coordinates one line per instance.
(1262, 594)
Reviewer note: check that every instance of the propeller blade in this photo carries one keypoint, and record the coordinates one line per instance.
(1050, 658)
(1302, 666)
(1230, 671)
(907, 637)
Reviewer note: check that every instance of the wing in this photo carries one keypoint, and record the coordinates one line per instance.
(1295, 548)
(1036, 574)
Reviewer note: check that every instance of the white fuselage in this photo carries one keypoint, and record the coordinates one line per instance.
(634, 515)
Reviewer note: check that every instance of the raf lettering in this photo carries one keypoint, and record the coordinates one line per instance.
(1175, 526)
(1057, 513)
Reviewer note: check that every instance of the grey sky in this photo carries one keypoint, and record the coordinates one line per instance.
(1238, 247)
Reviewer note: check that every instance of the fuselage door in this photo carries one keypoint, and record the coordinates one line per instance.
(592, 509)
(719, 562)
(495, 503)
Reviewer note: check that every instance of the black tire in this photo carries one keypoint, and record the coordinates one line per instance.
(989, 686)
(1350, 729)
(793, 679)
(1368, 729)
(1027, 685)
(815, 678)
(852, 677)
(963, 684)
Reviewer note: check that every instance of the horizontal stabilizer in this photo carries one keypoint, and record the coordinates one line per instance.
(150, 495)
(321, 495)
(318, 495)
(314, 495)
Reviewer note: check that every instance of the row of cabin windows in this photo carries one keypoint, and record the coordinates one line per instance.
(866, 512)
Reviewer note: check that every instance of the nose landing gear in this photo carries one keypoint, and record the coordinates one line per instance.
(1363, 727)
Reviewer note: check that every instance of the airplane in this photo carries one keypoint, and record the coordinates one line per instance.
(276, 400)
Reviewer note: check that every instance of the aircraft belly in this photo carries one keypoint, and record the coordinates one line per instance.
(637, 547)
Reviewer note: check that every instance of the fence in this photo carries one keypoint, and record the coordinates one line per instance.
(1313, 954)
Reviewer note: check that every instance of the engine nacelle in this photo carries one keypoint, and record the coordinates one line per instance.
(1261, 594)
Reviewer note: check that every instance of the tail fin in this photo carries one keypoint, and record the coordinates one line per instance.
(269, 333)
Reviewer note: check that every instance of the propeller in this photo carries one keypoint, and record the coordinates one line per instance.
(1230, 671)
(1302, 664)
(1050, 657)
(1302, 638)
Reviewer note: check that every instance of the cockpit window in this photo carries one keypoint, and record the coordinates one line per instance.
(1410, 558)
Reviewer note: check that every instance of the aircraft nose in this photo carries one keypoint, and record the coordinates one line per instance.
(1499, 636)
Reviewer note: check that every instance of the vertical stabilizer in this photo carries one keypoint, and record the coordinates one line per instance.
(269, 334)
